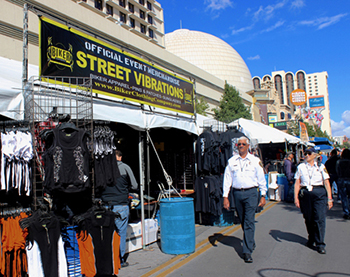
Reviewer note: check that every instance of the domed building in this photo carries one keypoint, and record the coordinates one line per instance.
(213, 55)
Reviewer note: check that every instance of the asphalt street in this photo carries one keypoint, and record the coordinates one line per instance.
(280, 238)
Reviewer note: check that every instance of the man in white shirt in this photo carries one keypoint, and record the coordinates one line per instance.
(245, 175)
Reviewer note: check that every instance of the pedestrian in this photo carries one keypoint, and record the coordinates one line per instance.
(343, 172)
(244, 174)
(289, 171)
(312, 193)
(330, 166)
(117, 199)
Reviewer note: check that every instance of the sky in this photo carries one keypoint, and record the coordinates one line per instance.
(289, 35)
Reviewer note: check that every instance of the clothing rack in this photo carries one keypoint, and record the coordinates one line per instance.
(19, 125)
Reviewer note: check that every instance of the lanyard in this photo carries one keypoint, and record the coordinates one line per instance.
(240, 164)
(312, 173)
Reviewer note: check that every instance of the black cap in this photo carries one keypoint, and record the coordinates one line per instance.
(310, 150)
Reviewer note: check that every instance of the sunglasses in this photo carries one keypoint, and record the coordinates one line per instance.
(239, 144)
(308, 153)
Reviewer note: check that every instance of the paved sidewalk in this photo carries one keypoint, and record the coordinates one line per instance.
(146, 262)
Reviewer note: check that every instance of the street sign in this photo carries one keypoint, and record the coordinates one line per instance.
(281, 125)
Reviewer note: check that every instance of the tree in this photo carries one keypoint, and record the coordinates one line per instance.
(231, 106)
(201, 105)
(312, 130)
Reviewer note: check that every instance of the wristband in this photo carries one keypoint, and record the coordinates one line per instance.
(330, 200)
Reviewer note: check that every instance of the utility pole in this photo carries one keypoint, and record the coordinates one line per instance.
(25, 54)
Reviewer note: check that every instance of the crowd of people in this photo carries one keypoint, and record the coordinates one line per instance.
(311, 186)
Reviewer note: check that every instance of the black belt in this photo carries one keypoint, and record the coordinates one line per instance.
(244, 189)
(321, 186)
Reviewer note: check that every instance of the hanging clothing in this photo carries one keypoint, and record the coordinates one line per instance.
(207, 153)
(16, 156)
(208, 190)
(45, 252)
(67, 162)
(98, 244)
(228, 146)
(13, 258)
(106, 169)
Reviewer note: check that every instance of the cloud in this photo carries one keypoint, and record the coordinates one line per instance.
(323, 22)
(269, 11)
(346, 117)
(216, 5)
(343, 127)
(278, 24)
(235, 32)
(257, 57)
(338, 128)
(297, 4)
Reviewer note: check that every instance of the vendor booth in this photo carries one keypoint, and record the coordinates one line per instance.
(136, 127)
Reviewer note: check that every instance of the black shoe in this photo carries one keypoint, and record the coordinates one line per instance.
(346, 216)
(310, 244)
(125, 264)
(247, 258)
(321, 250)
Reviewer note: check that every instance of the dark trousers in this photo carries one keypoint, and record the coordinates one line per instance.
(246, 202)
(313, 205)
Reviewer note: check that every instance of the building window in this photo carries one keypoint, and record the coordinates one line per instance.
(98, 4)
(301, 80)
(150, 19)
(256, 83)
(150, 33)
(142, 2)
(279, 87)
(143, 29)
(109, 9)
(122, 17)
(131, 8)
(132, 23)
(149, 5)
(122, 3)
(282, 115)
(142, 14)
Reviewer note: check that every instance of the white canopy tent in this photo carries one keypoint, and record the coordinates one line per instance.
(260, 133)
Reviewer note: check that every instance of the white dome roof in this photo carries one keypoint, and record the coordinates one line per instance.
(212, 55)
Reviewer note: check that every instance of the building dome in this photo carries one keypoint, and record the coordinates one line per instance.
(212, 55)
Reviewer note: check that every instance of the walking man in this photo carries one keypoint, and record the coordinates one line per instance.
(117, 199)
(245, 175)
(312, 193)
(289, 170)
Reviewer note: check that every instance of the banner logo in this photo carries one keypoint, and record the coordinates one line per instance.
(59, 55)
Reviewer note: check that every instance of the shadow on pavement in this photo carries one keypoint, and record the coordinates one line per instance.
(280, 235)
(236, 243)
(270, 272)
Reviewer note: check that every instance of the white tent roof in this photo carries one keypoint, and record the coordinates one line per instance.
(12, 104)
(262, 133)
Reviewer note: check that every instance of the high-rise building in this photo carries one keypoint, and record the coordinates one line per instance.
(281, 84)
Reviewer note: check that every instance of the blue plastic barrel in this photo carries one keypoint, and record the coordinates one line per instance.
(177, 228)
(282, 180)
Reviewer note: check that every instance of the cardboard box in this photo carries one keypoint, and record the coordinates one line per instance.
(277, 194)
(134, 231)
